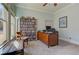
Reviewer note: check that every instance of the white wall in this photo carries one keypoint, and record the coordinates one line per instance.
(40, 16)
(49, 23)
(72, 31)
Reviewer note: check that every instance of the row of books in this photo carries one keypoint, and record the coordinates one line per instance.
(28, 26)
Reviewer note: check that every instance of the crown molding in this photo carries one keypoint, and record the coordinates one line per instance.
(72, 4)
(35, 9)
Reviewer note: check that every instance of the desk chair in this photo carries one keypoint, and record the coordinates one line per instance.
(19, 36)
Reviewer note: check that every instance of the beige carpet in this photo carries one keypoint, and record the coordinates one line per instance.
(39, 48)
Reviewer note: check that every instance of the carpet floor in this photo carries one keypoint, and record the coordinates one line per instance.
(39, 48)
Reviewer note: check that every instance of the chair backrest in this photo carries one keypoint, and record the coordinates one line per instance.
(18, 35)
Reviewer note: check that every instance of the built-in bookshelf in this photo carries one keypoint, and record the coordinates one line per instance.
(28, 27)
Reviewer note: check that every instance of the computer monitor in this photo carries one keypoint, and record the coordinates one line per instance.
(48, 27)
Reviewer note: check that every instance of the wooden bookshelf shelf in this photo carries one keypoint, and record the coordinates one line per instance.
(28, 27)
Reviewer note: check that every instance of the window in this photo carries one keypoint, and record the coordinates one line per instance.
(13, 28)
(3, 24)
(2, 31)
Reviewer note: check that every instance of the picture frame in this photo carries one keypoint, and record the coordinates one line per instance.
(63, 22)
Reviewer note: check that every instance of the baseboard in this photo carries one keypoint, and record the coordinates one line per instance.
(70, 41)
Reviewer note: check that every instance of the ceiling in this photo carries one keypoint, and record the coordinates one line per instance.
(39, 6)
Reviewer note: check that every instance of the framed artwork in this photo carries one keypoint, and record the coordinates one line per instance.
(63, 22)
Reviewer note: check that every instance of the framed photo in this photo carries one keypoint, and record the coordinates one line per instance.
(63, 22)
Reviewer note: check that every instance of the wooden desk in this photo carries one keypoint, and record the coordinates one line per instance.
(48, 38)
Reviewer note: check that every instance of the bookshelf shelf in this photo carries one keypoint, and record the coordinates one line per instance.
(28, 27)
